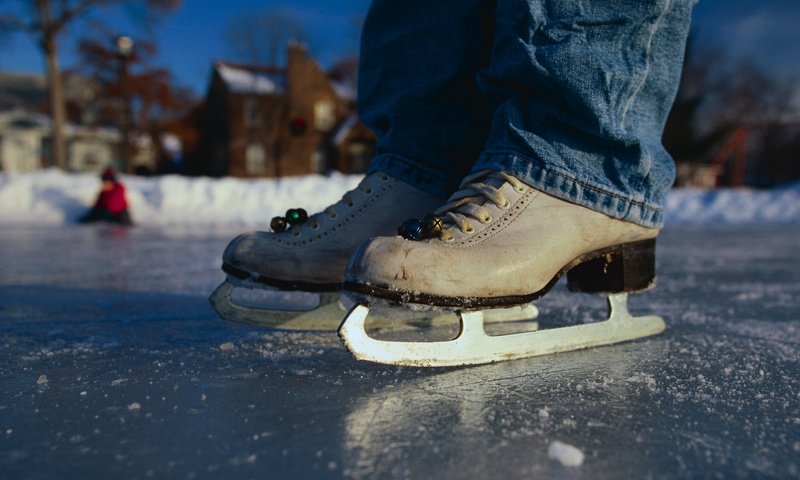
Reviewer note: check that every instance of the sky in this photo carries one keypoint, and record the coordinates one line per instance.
(192, 38)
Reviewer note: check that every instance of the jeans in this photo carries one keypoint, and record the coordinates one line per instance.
(570, 96)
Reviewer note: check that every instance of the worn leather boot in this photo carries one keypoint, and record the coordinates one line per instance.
(312, 256)
(499, 242)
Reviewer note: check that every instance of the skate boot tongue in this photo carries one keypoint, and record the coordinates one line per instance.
(494, 182)
(468, 203)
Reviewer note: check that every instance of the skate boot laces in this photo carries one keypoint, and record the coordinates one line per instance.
(469, 202)
(347, 202)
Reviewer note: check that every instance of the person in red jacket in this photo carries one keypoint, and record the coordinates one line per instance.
(111, 205)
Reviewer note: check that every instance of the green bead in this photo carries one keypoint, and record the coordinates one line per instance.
(432, 225)
(296, 216)
(278, 224)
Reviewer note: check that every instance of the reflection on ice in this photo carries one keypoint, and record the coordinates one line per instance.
(275, 299)
(515, 408)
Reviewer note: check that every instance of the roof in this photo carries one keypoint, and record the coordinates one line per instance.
(20, 118)
(247, 79)
(260, 80)
(18, 90)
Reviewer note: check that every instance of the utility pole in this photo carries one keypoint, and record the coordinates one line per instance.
(125, 51)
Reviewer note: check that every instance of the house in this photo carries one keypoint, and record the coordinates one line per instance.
(25, 144)
(22, 145)
(92, 143)
(275, 122)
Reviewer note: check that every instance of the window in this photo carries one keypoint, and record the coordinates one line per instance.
(324, 115)
(319, 160)
(358, 156)
(252, 112)
(255, 160)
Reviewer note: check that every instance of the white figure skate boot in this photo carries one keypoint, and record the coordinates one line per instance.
(293, 278)
(500, 243)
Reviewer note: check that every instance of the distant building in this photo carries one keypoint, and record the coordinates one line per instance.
(25, 133)
(22, 146)
(25, 144)
(274, 122)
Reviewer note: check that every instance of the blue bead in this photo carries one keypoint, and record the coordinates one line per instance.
(411, 229)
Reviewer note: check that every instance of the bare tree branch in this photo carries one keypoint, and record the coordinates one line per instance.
(10, 22)
(261, 37)
(49, 19)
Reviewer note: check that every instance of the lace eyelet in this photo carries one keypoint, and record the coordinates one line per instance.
(295, 234)
(385, 177)
(332, 217)
(468, 231)
(351, 205)
(486, 220)
(314, 227)
(506, 205)
(368, 191)
(519, 190)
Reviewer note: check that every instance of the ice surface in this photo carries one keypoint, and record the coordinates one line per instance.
(565, 454)
(116, 318)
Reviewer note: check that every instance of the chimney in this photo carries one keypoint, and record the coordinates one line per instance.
(296, 51)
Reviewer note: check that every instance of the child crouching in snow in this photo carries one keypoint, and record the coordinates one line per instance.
(111, 205)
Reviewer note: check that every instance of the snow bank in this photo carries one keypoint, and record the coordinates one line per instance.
(734, 206)
(55, 197)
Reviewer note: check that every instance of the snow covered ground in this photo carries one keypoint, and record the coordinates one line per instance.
(53, 197)
(114, 365)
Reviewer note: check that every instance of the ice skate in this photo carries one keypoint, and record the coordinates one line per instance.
(496, 243)
(290, 278)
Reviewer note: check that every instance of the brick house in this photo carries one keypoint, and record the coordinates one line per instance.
(275, 122)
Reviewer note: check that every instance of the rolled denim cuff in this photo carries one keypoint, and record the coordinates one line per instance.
(567, 186)
(415, 173)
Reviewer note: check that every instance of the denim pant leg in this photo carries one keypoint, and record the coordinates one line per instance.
(582, 90)
(417, 89)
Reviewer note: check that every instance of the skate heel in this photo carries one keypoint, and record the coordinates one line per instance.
(627, 268)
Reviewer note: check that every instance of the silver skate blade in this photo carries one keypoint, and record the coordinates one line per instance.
(472, 346)
(327, 316)
(521, 313)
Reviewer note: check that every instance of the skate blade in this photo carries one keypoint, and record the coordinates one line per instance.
(472, 346)
(326, 313)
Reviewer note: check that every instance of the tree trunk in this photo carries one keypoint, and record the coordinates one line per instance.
(58, 112)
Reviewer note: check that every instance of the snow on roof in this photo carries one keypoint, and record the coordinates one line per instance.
(344, 91)
(25, 120)
(241, 80)
(344, 129)
(22, 117)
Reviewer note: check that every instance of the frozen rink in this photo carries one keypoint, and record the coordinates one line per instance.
(115, 366)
